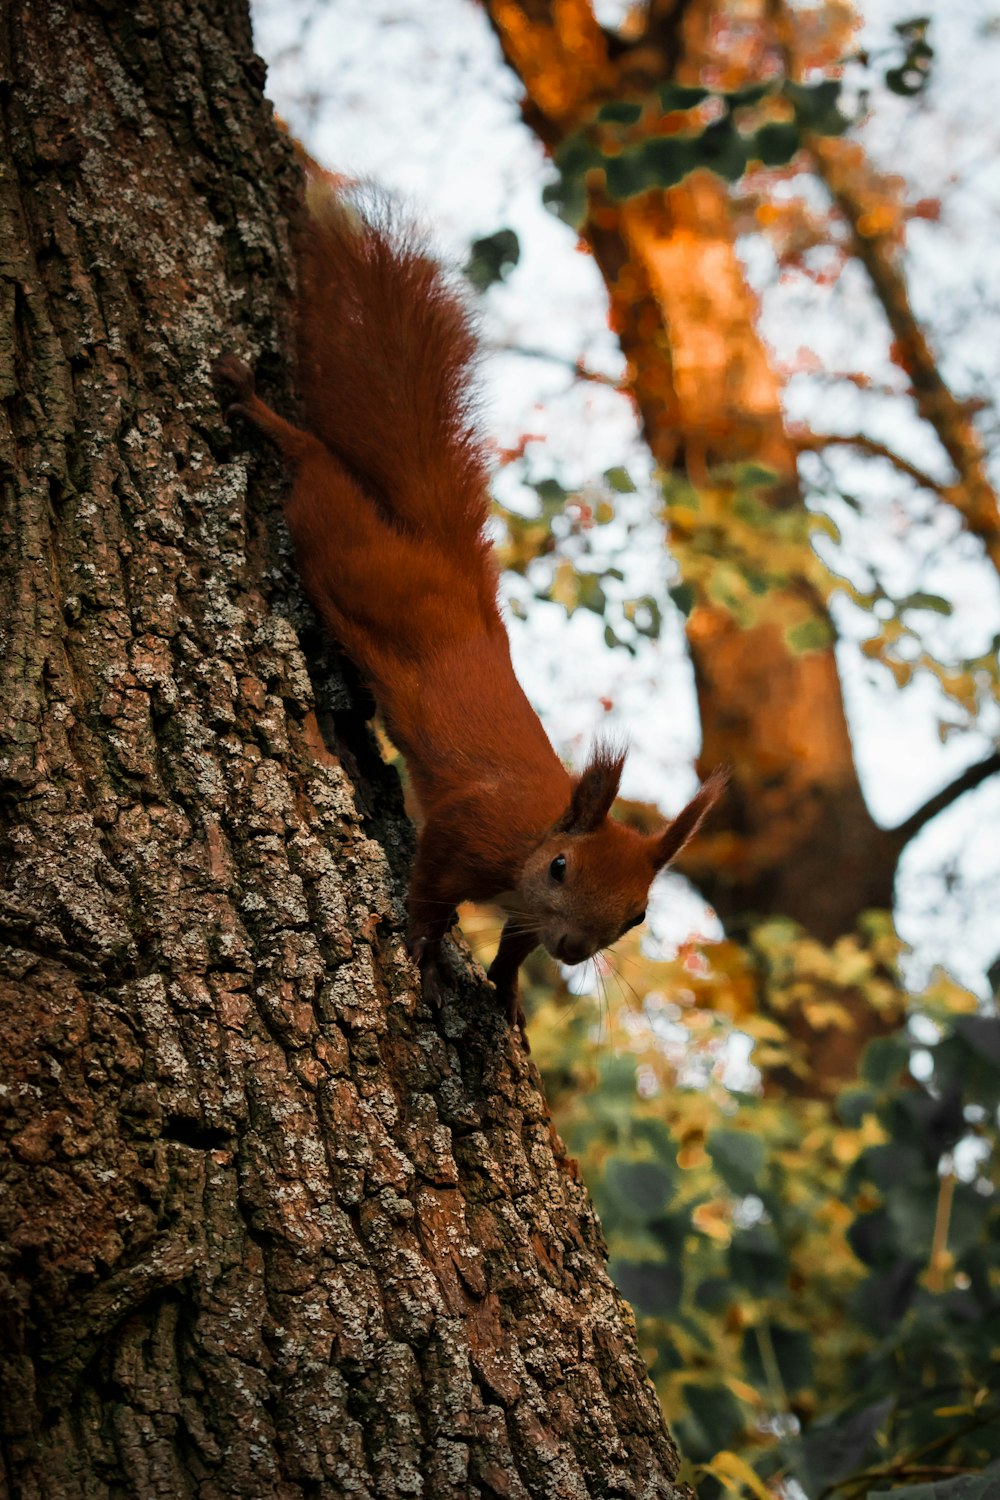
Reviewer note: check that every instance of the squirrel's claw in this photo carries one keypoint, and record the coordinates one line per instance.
(232, 372)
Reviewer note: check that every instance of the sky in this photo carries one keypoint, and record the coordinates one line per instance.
(413, 94)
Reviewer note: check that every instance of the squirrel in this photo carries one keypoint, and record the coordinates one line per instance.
(387, 512)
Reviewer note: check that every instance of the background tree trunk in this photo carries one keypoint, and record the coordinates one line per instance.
(269, 1227)
(799, 841)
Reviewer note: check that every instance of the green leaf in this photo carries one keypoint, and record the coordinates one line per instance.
(816, 106)
(684, 597)
(872, 1240)
(625, 175)
(677, 96)
(614, 642)
(891, 1163)
(574, 159)
(832, 1450)
(757, 583)
(962, 1487)
(620, 112)
(714, 1421)
(738, 1158)
(619, 480)
(966, 1059)
(901, 81)
(668, 159)
(756, 476)
(853, 1104)
(809, 635)
(652, 624)
(912, 1210)
(716, 1293)
(655, 1134)
(982, 1033)
(670, 1231)
(914, 25)
(492, 257)
(884, 1059)
(653, 1288)
(639, 1190)
(592, 596)
(881, 1302)
(578, 154)
(551, 491)
(757, 1261)
(721, 148)
(567, 198)
(774, 144)
(791, 1352)
(753, 94)
(919, 600)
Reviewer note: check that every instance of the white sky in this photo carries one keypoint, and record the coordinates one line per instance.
(413, 94)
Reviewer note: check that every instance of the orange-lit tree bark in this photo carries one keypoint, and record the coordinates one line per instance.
(801, 842)
(269, 1226)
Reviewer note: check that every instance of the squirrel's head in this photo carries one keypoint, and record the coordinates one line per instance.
(587, 881)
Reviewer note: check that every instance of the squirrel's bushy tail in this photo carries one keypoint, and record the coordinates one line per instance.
(386, 348)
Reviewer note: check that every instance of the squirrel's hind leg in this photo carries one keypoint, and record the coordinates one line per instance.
(237, 378)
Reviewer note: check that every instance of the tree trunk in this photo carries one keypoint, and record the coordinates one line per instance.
(270, 1227)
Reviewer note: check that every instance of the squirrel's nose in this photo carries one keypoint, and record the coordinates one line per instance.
(571, 952)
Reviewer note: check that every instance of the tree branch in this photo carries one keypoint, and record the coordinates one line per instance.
(854, 183)
(574, 366)
(814, 442)
(971, 777)
(878, 252)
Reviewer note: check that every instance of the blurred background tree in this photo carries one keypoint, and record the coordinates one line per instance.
(790, 1129)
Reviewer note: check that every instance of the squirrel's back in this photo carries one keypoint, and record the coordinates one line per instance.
(386, 348)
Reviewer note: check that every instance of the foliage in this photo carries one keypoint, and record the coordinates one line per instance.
(912, 75)
(738, 550)
(562, 553)
(816, 1282)
(634, 145)
(816, 1278)
(491, 257)
(743, 553)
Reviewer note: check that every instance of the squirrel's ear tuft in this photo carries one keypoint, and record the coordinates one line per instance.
(594, 791)
(687, 822)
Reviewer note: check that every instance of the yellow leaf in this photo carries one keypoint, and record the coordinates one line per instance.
(823, 1013)
(846, 1148)
(763, 1029)
(712, 1219)
(735, 1473)
(744, 1392)
(565, 587)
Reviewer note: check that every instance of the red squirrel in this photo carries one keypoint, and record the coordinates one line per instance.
(387, 512)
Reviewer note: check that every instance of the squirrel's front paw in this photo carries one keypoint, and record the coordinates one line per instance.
(507, 993)
(424, 954)
(237, 377)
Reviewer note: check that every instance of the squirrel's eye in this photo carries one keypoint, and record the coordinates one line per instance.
(557, 869)
(635, 921)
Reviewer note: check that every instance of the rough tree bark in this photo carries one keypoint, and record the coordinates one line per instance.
(269, 1227)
